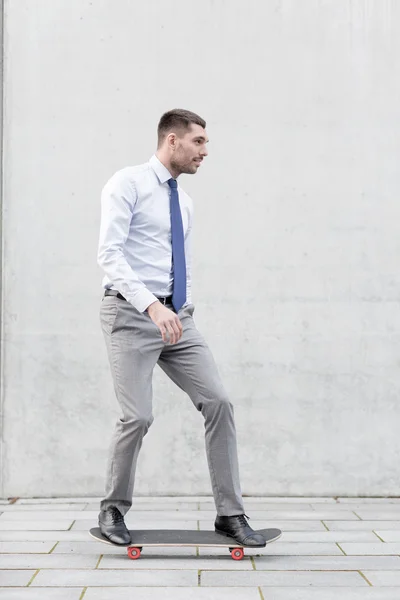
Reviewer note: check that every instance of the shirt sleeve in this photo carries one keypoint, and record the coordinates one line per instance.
(118, 200)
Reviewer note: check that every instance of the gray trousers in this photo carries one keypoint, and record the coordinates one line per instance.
(135, 346)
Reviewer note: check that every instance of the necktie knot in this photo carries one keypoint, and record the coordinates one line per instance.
(173, 184)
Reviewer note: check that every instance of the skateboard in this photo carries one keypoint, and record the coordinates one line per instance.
(181, 538)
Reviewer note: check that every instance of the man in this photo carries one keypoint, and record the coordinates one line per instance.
(147, 318)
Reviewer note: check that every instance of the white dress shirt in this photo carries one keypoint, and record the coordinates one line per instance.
(135, 249)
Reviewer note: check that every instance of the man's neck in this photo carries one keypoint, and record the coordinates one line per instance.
(167, 164)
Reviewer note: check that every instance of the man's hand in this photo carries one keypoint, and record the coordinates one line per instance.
(167, 322)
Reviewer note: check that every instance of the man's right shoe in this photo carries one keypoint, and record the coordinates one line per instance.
(238, 528)
(112, 526)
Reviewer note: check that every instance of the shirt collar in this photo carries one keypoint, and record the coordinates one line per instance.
(160, 170)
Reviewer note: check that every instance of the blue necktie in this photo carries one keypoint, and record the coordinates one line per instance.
(178, 248)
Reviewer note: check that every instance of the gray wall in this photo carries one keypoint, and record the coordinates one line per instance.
(296, 273)
(1, 243)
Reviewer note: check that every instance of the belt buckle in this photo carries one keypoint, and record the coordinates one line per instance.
(164, 301)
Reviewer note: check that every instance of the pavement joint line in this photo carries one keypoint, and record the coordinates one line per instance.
(364, 577)
(199, 578)
(261, 594)
(71, 526)
(305, 570)
(340, 548)
(378, 536)
(53, 547)
(83, 593)
(358, 516)
(324, 524)
(32, 578)
(98, 562)
(198, 525)
(253, 563)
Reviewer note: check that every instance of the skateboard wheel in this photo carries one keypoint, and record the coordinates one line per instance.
(134, 553)
(237, 553)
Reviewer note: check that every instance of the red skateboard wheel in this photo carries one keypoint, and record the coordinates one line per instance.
(133, 553)
(237, 553)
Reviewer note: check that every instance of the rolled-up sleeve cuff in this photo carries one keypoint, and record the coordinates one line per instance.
(142, 299)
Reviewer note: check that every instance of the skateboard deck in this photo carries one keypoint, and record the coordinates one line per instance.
(184, 538)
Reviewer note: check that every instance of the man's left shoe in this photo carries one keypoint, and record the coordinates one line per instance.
(238, 528)
(113, 528)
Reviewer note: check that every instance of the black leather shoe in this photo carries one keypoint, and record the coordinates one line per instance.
(238, 528)
(112, 526)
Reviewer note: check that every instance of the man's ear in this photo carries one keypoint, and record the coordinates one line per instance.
(171, 140)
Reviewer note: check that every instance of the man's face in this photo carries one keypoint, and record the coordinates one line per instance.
(190, 149)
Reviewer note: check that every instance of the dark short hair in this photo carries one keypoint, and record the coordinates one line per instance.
(178, 118)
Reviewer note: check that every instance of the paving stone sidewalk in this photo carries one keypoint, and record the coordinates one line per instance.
(329, 546)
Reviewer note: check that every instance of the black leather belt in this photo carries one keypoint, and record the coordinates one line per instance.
(166, 300)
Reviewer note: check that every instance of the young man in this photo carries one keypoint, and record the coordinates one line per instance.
(146, 317)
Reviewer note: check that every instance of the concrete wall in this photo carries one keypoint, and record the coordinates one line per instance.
(296, 273)
(1, 244)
